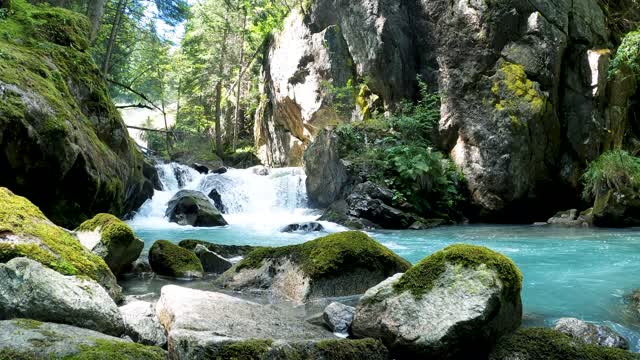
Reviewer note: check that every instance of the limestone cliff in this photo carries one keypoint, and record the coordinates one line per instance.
(526, 98)
(63, 144)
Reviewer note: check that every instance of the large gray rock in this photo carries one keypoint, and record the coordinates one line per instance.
(212, 262)
(201, 319)
(454, 304)
(30, 290)
(571, 218)
(303, 227)
(142, 324)
(30, 339)
(189, 207)
(327, 176)
(339, 317)
(591, 334)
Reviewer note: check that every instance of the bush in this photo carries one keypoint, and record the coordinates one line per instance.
(613, 170)
(628, 54)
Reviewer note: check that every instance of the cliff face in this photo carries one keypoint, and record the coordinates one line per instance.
(526, 98)
(63, 144)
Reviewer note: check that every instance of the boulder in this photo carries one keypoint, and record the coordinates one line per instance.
(111, 239)
(195, 319)
(226, 251)
(591, 334)
(63, 143)
(541, 343)
(571, 218)
(30, 290)
(202, 169)
(169, 259)
(31, 339)
(219, 171)
(327, 176)
(150, 172)
(26, 232)
(455, 303)
(142, 324)
(212, 262)
(217, 201)
(339, 317)
(189, 207)
(303, 227)
(341, 264)
(616, 209)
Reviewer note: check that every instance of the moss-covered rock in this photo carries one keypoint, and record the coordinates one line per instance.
(63, 143)
(26, 232)
(111, 239)
(540, 343)
(227, 251)
(339, 264)
(169, 259)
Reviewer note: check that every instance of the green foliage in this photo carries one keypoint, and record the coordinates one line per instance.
(423, 276)
(549, 344)
(614, 170)
(396, 150)
(332, 255)
(627, 55)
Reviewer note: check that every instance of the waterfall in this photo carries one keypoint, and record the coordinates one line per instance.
(265, 201)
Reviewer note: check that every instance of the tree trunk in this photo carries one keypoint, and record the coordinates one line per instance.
(236, 123)
(95, 12)
(223, 52)
(112, 36)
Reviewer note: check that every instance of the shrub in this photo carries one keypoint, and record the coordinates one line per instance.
(613, 170)
(628, 54)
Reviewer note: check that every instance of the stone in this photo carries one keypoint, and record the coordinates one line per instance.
(327, 177)
(212, 262)
(455, 303)
(303, 227)
(142, 324)
(111, 239)
(171, 260)
(219, 171)
(202, 169)
(226, 251)
(616, 209)
(26, 232)
(30, 290)
(340, 264)
(189, 207)
(64, 144)
(339, 317)
(591, 334)
(31, 339)
(217, 201)
(570, 218)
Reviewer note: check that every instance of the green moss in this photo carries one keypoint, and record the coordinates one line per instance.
(113, 230)
(118, 350)
(332, 255)
(169, 259)
(539, 343)
(226, 251)
(58, 250)
(10, 354)
(351, 349)
(252, 349)
(28, 324)
(422, 277)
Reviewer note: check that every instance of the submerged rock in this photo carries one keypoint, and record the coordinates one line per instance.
(212, 262)
(591, 334)
(111, 239)
(541, 343)
(202, 169)
(339, 264)
(220, 170)
(169, 259)
(339, 317)
(303, 227)
(226, 251)
(189, 207)
(30, 339)
(26, 232)
(142, 324)
(455, 303)
(30, 290)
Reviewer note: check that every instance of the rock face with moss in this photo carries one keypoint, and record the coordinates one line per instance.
(194, 208)
(455, 303)
(26, 232)
(29, 339)
(60, 132)
(539, 343)
(169, 259)
(111, 239)
(341, 264)
(30, 290)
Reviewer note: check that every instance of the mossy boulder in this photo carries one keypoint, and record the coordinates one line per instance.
(340, 264)
(63, 143)
(23, 339)
(226, 251)
(189, 207)
(455, 303)
(111, 239)
(541, 343)
(26, 232)
(169, 259)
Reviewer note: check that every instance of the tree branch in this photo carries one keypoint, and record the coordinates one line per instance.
(140, 105)
(143, 96)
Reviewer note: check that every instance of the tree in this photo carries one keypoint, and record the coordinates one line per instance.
(95, 12)
(5, 4)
